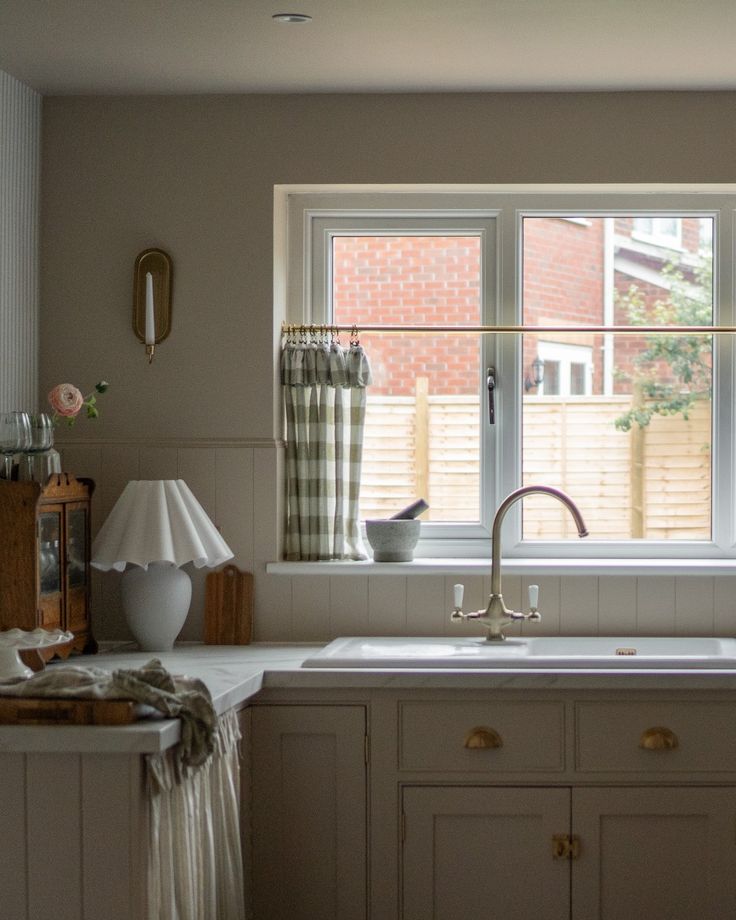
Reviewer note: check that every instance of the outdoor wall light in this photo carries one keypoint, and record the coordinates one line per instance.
(537, 378)
(152, 279)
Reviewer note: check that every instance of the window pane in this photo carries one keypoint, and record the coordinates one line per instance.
(633, 447)
(551, 381)
(422, 434)
(577, 379)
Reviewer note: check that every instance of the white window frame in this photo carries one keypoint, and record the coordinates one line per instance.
(312, 271)
(301, 267)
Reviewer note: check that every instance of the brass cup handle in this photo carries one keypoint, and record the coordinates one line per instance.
(483, 738)
(659, 739)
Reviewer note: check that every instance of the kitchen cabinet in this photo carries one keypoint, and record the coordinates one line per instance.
(44, 566)
(660, 853)
(75, 831)
(483, 853)
(92, 830)
(308, 853)
(557, 804)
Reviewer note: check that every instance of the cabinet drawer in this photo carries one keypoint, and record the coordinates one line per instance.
(682, 737)
(526, 737)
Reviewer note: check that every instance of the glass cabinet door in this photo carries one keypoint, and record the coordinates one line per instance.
(49, 553)
(76, 547)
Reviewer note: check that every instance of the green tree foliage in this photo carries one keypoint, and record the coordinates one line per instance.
(673, 371)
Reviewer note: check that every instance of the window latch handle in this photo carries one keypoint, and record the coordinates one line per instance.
(491, 384)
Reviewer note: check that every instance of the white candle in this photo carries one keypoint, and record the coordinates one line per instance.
(150, 317)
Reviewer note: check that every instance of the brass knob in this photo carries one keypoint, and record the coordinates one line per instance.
(659, 739)
(482, 738)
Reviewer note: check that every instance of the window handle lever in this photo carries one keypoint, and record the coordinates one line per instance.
(491, 384)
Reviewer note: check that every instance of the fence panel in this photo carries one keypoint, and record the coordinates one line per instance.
(570, 442)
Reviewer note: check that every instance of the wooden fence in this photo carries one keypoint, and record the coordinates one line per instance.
(651, 483)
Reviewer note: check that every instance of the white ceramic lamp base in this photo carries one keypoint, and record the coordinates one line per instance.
(156, 602)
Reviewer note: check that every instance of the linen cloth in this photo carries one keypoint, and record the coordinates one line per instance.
(185, 698)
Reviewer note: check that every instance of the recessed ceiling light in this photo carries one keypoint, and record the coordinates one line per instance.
(291, 17)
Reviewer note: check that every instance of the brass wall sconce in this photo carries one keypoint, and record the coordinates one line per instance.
(152, 279)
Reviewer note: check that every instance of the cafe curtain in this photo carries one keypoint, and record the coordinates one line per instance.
(324, 387)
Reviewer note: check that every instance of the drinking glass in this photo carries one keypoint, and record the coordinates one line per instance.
(42, 438)
(15, 436)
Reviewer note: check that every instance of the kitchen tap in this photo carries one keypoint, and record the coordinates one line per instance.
(497, 615)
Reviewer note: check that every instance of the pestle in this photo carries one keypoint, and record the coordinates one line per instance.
(411, 511)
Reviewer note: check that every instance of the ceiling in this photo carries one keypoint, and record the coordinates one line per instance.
(62, 47)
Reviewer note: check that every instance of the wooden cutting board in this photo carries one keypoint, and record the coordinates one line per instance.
(45, 711)
(228, 611)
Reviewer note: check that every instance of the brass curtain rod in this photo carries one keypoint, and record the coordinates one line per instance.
(317, 328)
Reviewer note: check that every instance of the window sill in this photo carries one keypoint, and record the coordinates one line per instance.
(426, 566)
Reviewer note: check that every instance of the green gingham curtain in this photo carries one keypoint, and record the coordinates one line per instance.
(324, 386)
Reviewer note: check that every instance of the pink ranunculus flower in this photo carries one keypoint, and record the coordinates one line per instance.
(66, 400)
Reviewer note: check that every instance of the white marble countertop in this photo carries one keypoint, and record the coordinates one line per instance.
(234, 674)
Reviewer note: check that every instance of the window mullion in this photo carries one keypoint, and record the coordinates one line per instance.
(508, 350)
(724, 386)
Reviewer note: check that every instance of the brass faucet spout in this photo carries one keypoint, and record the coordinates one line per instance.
(497, 615)
(511, 499)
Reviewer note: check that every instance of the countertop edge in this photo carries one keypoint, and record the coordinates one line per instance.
(236, 674)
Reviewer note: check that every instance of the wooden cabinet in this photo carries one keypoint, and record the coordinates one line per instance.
(44, 564)
(308, 811)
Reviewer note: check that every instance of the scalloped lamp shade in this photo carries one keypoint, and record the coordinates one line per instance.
(155, 527)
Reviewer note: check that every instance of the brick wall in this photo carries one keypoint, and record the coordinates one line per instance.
(423, 280)
(412, 280)
(563, 283)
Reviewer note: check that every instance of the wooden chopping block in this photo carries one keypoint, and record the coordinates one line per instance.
(46, 711)
(228, 611)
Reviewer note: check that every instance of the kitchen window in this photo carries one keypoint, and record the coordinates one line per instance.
(624, 422)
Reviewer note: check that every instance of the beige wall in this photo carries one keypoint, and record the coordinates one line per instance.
(195, 175)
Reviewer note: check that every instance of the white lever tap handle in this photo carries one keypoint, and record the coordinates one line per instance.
(533, 597)
(458, 591)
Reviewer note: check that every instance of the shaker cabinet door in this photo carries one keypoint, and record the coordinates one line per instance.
(308, 811)
(663, 854)
(482, 853)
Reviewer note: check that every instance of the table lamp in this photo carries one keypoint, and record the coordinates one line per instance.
(155, 527)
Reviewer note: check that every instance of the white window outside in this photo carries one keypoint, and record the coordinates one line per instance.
(567, 369)
(653, 480)
(661, 231)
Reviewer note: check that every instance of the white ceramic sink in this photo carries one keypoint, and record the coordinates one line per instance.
(626, 652)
